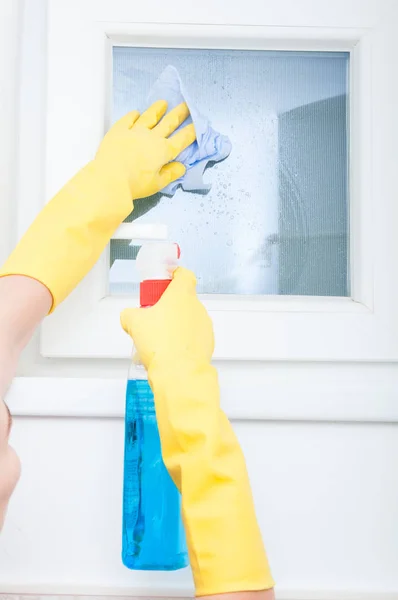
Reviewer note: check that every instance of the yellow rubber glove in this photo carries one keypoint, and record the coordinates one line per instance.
(133, 161)
(174, 340)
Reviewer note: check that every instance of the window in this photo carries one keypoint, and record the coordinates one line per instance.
(303, 271)
(276, 220)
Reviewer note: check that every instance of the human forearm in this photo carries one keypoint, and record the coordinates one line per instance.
(24, 302)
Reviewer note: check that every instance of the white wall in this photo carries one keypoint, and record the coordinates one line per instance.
(10, 13)
(326, 495)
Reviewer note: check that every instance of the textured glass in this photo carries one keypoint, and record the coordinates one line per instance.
(276, 218)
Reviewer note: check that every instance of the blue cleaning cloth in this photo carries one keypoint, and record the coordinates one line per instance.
(209, 145)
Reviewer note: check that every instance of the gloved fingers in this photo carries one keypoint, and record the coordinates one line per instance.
(181, 140)
(125, 122)
(172, 120)
(184, 281)
(153, 114)
(170, 173)
(129, 319)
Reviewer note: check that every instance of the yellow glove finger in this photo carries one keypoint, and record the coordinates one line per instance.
(172, 121)
(184, 283)
(170, 173)
(124, 123)
(153, 114)
(181, 289)
(178, 308)
(181, 140)
(186, 278)
(130, 320)
(139, 322)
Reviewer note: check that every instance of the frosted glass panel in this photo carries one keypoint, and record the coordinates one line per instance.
(276, 218)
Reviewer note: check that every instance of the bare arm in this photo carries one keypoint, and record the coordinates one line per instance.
(24, 302)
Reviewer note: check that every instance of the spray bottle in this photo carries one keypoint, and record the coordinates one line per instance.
(153, 533)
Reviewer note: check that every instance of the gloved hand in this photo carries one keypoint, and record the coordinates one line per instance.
(174, 340)
(133, 161)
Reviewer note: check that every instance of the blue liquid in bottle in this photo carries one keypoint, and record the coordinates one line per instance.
(153, 533)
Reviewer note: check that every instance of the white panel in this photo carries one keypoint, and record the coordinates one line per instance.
(354, 13)
(326, 496)
(10, 37)
(17, 592)
(252, 392)
(32, 91)
(47, 593)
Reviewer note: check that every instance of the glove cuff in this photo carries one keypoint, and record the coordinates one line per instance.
(66, 239)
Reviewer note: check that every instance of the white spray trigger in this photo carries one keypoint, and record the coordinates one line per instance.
(157, 260)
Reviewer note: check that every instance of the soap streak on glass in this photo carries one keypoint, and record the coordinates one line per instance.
(276, 220)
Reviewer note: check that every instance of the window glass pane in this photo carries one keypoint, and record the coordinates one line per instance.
(276, 218)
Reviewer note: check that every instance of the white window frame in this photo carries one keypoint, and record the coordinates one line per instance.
(361, 328)
(10, 19)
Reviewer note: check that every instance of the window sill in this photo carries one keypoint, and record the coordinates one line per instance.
(329, 395)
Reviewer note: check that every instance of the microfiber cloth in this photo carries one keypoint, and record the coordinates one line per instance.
(209, 145)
